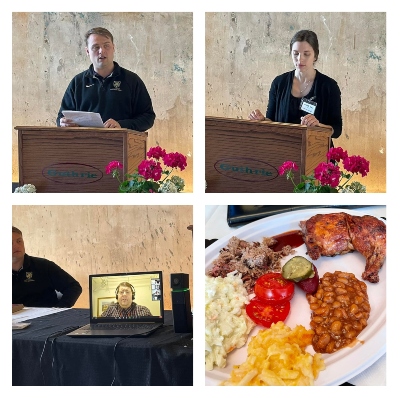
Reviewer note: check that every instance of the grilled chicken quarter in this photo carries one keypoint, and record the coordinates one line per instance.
(340, 233)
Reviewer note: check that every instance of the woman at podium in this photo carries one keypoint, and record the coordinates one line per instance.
(304, 95)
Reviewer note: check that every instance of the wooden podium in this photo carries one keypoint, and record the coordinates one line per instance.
(245, 155)
(73, 159)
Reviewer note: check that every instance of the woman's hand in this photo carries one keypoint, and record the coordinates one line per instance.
(256, 115)
(309, 120)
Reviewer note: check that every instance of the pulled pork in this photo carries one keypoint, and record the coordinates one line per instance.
(251, 259)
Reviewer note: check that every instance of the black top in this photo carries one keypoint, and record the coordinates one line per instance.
(121, 96)
(284, 107)
(35, 284)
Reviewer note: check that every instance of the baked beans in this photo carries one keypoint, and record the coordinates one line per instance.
(340, 310)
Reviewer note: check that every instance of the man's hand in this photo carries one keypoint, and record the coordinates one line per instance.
(67, 123)
(112, 124)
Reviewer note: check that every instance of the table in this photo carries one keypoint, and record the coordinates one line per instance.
(217, 227)
(163, 358)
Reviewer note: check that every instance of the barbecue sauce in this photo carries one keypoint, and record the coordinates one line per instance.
(291, 238)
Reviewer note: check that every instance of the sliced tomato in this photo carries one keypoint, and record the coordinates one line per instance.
(273, 288)
(265, 314)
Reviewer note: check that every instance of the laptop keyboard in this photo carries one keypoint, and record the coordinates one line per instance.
(119, 326)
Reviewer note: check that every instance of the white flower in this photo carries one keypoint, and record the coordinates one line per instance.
(27, 188)
(354, 187)
(178, 182)
(168, 187)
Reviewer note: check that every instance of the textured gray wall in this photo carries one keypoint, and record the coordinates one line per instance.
(245, 51)
(48, 50)
(95, 239)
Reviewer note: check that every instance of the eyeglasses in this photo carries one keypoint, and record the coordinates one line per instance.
(124, 292)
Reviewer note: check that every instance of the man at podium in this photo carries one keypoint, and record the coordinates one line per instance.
(305, 95)
(117, 94)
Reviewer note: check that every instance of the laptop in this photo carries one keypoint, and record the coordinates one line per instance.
(124, 304)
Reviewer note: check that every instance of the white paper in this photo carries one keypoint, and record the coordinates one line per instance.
(84, 119)
(34, 312)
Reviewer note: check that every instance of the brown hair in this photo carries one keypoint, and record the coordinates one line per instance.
(98, 31)
(310, 37)
(16, 230)
(126, 284)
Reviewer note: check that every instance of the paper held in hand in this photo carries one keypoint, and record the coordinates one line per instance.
(84, 119)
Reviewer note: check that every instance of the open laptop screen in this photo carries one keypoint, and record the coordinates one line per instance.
(126, 297)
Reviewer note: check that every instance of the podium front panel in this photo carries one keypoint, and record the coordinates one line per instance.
(244, 156)
(57, 160)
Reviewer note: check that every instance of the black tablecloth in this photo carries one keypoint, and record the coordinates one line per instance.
(40, 358)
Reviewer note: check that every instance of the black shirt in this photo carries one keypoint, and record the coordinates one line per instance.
(35, 284)
(121, 96)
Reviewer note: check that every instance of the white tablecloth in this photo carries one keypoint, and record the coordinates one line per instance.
(217, 227)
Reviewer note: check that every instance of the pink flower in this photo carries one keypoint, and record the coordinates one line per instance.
(327, 174)
(356, 164)
(156, 152)
(150, 170)
(175, 160)
(287, 166)
(113, 165)
(336, 154)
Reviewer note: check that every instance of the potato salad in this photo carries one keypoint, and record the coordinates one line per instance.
(227, 325)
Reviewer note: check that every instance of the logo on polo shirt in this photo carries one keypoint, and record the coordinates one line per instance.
(29, 277)
(116, 85)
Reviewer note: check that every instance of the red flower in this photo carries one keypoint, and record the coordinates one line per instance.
(113, 165)
(175, 160)
(356, 164)
(336, 154)
(287, 166)
(150, 169)
(327, 174)
(156, 152)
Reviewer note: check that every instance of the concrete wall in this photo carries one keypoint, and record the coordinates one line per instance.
(48, 50)
(245, 51)
(87, 240)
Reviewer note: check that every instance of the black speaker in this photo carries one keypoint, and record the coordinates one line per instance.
(179, 281)
(181, 309)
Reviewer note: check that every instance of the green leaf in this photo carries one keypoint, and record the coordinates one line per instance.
(327, 189)
(150, 185)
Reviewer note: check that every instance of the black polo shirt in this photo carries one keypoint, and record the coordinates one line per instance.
(35, 284)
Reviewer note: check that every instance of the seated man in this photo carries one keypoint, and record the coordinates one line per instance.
(117, 94)
(126, 307)
(35, 280)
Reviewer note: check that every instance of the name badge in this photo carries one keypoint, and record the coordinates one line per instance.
(308, 106)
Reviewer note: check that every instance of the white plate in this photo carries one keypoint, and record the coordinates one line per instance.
(345, 363)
